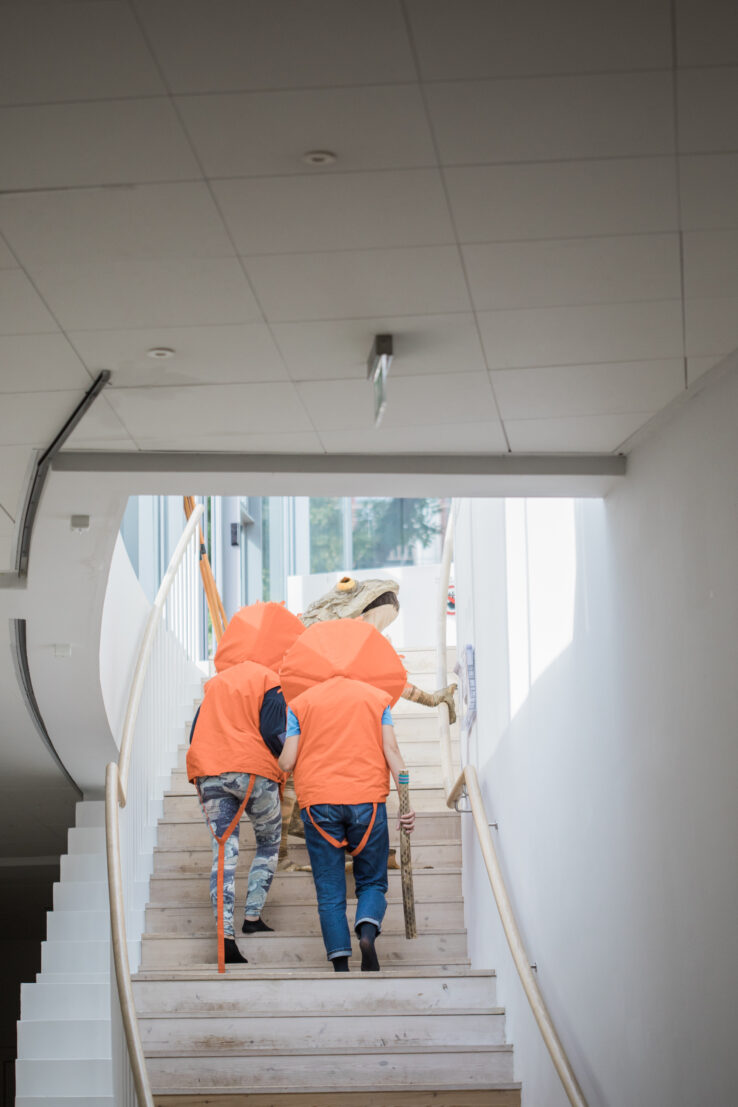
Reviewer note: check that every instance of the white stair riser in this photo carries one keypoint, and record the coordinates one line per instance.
(72, 1001)
(429, 885)
(83, 866)
(265, 949)
(81, 895)
(333, 1071)
(361, 1031)
(370, 993)
(425, 855)
(71, 1078)
(302, 918)
(82, 1040)
(66, 1101)
(86, 839)
(69, 926)
(90, 813)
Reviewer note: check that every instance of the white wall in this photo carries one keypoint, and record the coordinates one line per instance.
(124, 616)
(615, 783)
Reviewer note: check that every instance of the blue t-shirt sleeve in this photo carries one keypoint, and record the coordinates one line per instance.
(387, 717)
(293, 724)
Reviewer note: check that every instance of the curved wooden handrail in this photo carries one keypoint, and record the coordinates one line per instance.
(116, 789)
(467, 782)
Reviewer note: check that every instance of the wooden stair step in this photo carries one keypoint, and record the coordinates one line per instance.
(191, 830)
(425, 855)
(321, 1070)
(165, 950)
(302, 917)
(220, 1035)
(264, 992)
(503, 1095)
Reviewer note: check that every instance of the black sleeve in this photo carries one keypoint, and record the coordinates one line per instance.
(273, 720)
(194, 724)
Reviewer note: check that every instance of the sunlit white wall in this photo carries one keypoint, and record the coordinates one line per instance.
(610, 764)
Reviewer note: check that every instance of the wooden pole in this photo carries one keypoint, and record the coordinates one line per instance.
(215, 604)
(406, 864)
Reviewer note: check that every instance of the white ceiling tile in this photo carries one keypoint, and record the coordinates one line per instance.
(241, 44)
(709, 191)
(553, 118)
(229, 409)
(474, 38)
(34, 418)
(711, 264)
(22, 311)
(16, 467)
(94, 143)
(582, 335)
(267, 133)
(353, 284)
(698, 366)
(203, 355)
(344, 211)
(495, 203)
(39, 362)
(588, 434)
(552, 272)
(458, 398)
(247, 442)
(708, 120)
(99, 427)
(142, 221)
(707, 34)
(573, 390)
(423, 344)
(7, 261)
(138, 294)
(711, 326)
(79, 51)
(466, 438)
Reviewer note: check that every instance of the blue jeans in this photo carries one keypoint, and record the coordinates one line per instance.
(349, 821)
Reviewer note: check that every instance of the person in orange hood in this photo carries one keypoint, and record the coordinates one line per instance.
(232, 760)
(341, 744)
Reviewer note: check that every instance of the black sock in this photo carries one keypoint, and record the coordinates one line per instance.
(257, 927)
(340, 964)
(233, 955)
(367, 933)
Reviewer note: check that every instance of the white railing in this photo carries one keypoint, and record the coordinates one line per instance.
(466, 784)
(164, 685)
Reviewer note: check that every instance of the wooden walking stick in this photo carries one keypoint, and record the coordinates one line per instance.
(215, 604)
(406, 863)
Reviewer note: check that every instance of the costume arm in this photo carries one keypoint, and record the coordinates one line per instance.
(432, 699)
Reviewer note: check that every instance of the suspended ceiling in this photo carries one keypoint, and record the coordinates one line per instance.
(539, 201)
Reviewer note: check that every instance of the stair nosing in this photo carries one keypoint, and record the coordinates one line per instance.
(314, 1014)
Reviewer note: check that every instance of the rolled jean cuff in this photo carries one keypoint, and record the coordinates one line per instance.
(368, 919)
(339, 953)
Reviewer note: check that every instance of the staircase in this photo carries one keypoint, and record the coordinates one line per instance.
(284, 1030)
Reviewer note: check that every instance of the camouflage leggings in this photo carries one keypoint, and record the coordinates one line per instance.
(221, 796)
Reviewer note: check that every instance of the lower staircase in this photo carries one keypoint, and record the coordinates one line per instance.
(284, 1030)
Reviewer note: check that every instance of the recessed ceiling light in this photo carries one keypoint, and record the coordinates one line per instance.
(319, 157)
(160, 353)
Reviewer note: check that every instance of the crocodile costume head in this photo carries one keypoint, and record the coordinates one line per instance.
(376, 600)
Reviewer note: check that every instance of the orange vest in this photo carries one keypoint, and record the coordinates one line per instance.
(340, 758)
(227, 737)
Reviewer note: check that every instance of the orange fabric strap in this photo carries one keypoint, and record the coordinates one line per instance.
(221, 864)
(344, 843)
